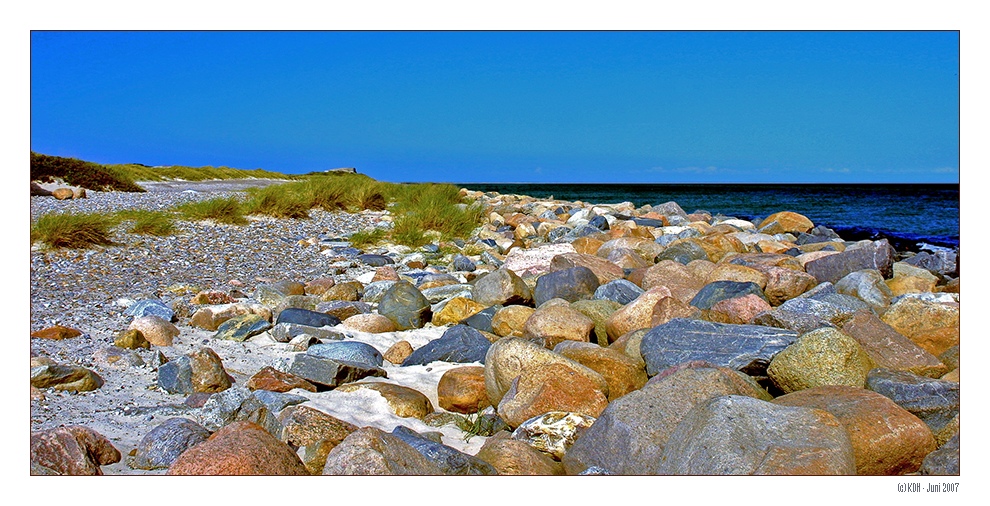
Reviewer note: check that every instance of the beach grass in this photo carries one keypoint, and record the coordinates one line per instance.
(138, 172)
(160, 223)
(287, 200)
(368, 237)
(438, 207)
(80, 173)
(227, 210)
(73, 230)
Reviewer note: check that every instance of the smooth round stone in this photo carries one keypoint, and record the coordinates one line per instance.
(349, 351)
(371, 323)
(155, 329)
(375, 260)
(307, 317)
(826, 356)
(406, 306)
(683, 252)
(576, 283)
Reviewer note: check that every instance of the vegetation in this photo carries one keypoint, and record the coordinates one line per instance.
(145, 222)
(139, 172)
(228, 210)
(68, 230)
(79, 173)
(279, 201)
(368, 237)
(436, 207)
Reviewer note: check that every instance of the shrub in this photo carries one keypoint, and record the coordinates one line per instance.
(221, 210)
(68, 230)
(149, 222)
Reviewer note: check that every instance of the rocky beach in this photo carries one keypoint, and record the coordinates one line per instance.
(561, 338)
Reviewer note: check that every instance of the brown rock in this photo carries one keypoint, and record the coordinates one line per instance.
(68, 378)
(62, 193)
(404, 401)
(785, 222)
(462, 390)
(349, 291)
(155, 329)
(681, 281)
(550, 387)
(56, 332)
(740, 273)
(455, 310)
(626, 258)
(72, 450)
(385, 273)
(211, 317)
(932, 325)
(370, 322)
(208, 374)
(511, 320)
(398, 352)
(372, 452)
(269, 378)
(645, 248)
(628, 344)
(517, 458)
(507, 358)
(637, 314)
(826, 356)
(212, 297)
(319, 286)
(719, 246)
(952, 375)
(887, 440)
(784, 284)
(131, 339)
(739, 310)
(587, 245)
(889, 349)
(305, 426)
(911, 279)
(604, 270)
(622, 372)
(239, 448)
(552, 324)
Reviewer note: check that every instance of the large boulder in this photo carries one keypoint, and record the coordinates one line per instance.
(550, 387)
(825, 356)
(933, 326)
(934, 401)
(370, 451)
(623, 373)
(73, 450)
(459, 343)
(553, 324)
(508, 358)
(502, 286)
(890, 349)
(877, 255)
(450, 461)
(406, 306)
(576, 283)
(240, 448)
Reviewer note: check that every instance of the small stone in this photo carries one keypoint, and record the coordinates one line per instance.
(371, 323)
(462, 390)
(550, 325)
(328, 374)
(67, 378)
(450, 461)
(502, 287)
(156, 330)
(456, 310)
(511, 320)
(304, 426)
(212, 297)
(553, 432)
(404, 401)
(348, 351)
(131, 339)
(307, 317)
(241, 328)
(398, 352)
(577, 283)
(268, 378)
(459, 343)
(514, 457)
(56, 332)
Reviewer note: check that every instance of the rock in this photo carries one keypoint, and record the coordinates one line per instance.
(604, 270)
(630, 435)
(503, 287)
(236, 404)
(68, 378)
(462, 390)
(241, 328)
(887, 440)
(385, 273)
(622, 373)
(482, 320)
(73, 450)
(456, 310)
(933, 326)
(911, 279)
(199, 371)
(306, 317)
(112, 356)
(319, 286)
(550, 325)
(680, 280)
(737, 273)
(286, 332)
(554, 432)
(534, 261)
(211, 317)
(637, 314)
(241, 448)
(346, 292)
(511, 320)
(463, 264)
(550, 387)
(508, 358)
(370, 451)
(746, 348)
(159, 448)
(822, 357)
(156, 330)
(268, 378)
(404, 401)
(877, 255)
(669, 308)
(577, 283)
(942, 261)
(348, 351)
(717, 291)
(277, 401)
(450, 461)
(514, 457)
(866, 285)
(304, 426)
(375, 260)
(785, 222)
(619, 290)
(459, 343)
(799, 322)
(738, 435)
(949, 357)
(343, 309)
(371, 323)
(943, 461)
(889, 349)
(835, 309)
(57, 333)
(784, 284)
(740, 310)
(398, 352)
(148, 307)
(935, 402)
(599, 311)
(131, 339)
(405, 306)
(327, 374)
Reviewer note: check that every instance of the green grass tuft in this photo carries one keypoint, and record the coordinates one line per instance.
(68, 230)
(367, 237)
(158, 223)
(279, 201)
(228, 210)
(433, 207)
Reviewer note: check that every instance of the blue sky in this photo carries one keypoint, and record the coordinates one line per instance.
(706, 106)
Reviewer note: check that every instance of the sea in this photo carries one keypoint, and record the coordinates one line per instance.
(913, 217)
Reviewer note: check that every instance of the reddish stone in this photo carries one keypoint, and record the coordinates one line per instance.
(212, 297)
(398, 352)
(319, 285)
(638, 314)
(56, 332)
(72, 450)
(274, 380)
(462, 390)
(738, 310)
(240, 448)
(604, 270)
(550, 387)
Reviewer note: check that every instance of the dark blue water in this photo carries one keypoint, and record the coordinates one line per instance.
(909, 215)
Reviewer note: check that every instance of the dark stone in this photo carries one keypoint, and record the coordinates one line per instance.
(375, 260)
(463, 263)
(942, 262)
(327, 374)
(175, 376)
(149, 307)
(459, 344)
(557, 234)
(620, 290)
(934, 401)
(284, 332)
(406, 306)
(277, 401)
(348, 351)
(449, 460)
(482, 320)
(243, 327)
(820, 233)
(237, 404)
(648, 222)
(160, 447)
(307, 317)
(717, 291)
(944, 461)
(683, 252)
(599, 222)
(572, 285)
(745, 348)
(835, 308)
(343, 309)
(877, 255)
(802, 323)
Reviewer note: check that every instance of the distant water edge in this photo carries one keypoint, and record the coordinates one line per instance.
(910, 216)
